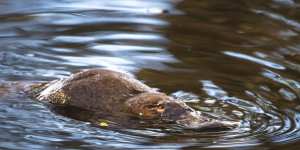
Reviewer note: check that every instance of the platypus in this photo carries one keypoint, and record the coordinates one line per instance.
(113, 91)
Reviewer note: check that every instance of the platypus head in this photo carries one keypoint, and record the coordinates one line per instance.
(161, 106)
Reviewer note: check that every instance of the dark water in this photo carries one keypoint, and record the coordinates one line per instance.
(235, 59)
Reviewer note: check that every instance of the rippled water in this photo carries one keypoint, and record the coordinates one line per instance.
(235, 59)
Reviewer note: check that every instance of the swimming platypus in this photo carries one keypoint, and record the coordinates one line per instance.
(117, 92)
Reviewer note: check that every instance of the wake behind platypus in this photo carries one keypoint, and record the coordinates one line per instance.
(104, 90)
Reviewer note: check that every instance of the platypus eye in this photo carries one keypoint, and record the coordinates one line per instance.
(160, 108)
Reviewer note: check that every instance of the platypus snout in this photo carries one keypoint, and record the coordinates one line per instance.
(194, 120)
(188, 118)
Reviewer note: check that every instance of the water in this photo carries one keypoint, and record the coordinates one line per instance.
(235, 59)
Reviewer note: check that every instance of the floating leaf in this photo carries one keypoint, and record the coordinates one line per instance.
(103, 123)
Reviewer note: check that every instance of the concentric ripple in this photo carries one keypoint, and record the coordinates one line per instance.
(229, 60)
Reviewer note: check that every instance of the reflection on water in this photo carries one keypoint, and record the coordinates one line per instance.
(235, 60)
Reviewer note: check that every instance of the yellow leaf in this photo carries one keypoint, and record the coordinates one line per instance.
(103, 123)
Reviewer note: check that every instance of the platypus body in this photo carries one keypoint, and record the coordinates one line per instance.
(116, 92)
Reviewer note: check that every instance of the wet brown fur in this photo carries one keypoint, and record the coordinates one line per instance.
(97, 90)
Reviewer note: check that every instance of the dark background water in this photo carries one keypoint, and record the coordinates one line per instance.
(237, 59)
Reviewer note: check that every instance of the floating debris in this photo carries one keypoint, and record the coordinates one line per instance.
(103, 123)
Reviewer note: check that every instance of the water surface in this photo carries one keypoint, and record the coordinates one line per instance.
(234, 59)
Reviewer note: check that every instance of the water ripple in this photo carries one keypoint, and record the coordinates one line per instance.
(176, 46)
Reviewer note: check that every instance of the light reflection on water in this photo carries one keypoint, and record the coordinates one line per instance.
(235, 60)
